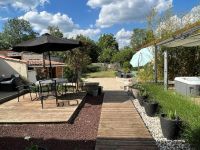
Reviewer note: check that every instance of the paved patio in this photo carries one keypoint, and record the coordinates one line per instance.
(27, 111)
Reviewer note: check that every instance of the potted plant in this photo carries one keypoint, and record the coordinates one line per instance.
(143, 97)
(170, 125)
(136, 90)
(151, 107)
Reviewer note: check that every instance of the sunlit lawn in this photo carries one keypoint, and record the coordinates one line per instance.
(101, 74)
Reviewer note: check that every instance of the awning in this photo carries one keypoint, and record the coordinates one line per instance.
(142, 57)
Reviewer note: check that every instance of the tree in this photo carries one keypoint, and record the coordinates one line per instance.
(90, 47)
(123, 55)
(76, 60)
(108, 41)
(138, 38)
(109, 47)
(15, 31)
(55, 31)
(106, 55)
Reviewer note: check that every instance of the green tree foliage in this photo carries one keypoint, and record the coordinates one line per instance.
(108, 41)
(55, 31)
(138, 38)
(76, 60)
(106, 55)
(15, 31)
(126, 66)
(109, 46)
(90, 47)
(183, 61)
(123, 55)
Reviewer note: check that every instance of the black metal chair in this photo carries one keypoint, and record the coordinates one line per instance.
(26, 88)
(45, 92)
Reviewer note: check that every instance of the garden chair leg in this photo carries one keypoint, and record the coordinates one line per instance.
(18, 96)
(41, 101)
(31, 96)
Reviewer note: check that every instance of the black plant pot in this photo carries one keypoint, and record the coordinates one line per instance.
(41, 148)
(170, 128)
(151, 108)
(142, 99)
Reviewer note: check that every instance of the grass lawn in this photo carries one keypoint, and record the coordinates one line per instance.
(100, 74)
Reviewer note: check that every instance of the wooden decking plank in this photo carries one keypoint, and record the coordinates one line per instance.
(27, 111)
(120, 127)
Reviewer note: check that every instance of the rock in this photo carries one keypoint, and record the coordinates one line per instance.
(153, 124)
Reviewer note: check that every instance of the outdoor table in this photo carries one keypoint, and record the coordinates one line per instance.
(50, 81)
(52, 85)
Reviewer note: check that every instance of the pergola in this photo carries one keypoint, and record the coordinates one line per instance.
(186, 37)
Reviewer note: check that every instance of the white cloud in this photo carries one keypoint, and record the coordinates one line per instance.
(122, 11)
(192, 17)
(24, 5)
(3, 19)
(86, 32)
(41, 20)
(123, 37)
(99, 3)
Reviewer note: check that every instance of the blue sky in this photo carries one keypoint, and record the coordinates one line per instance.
(90, 17)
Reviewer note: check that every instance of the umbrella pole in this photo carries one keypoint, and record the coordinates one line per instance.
(50, 68)
(44, 66)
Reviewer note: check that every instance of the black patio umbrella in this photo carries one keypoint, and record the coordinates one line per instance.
(47, 43)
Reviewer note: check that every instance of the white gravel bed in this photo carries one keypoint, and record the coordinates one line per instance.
(153, 125)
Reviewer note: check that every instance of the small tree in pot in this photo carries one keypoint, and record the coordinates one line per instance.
(144, 95)
(170, 125)
(151, 107)
(136, 90)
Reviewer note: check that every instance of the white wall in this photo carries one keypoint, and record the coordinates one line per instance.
(13, 66)
(32, 76)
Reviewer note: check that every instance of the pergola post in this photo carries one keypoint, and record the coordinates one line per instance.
(155, 64)
(165, 70)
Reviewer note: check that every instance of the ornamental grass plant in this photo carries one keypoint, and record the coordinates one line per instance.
(188, 111)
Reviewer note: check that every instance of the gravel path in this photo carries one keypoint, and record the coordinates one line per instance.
(80, 135)
(153, 124)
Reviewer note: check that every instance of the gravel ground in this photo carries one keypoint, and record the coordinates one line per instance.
(153, 124)
(81, 135)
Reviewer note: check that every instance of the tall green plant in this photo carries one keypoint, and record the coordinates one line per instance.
(184, 107)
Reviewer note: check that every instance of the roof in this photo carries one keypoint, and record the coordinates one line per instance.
(13, 59)
(39, 63)
(35, 63)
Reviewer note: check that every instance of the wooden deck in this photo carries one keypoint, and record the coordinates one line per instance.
(27, 111)
(120, 127)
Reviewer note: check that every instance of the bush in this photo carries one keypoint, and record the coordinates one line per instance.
(69, 74)
(184, 107)
(92, 68)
